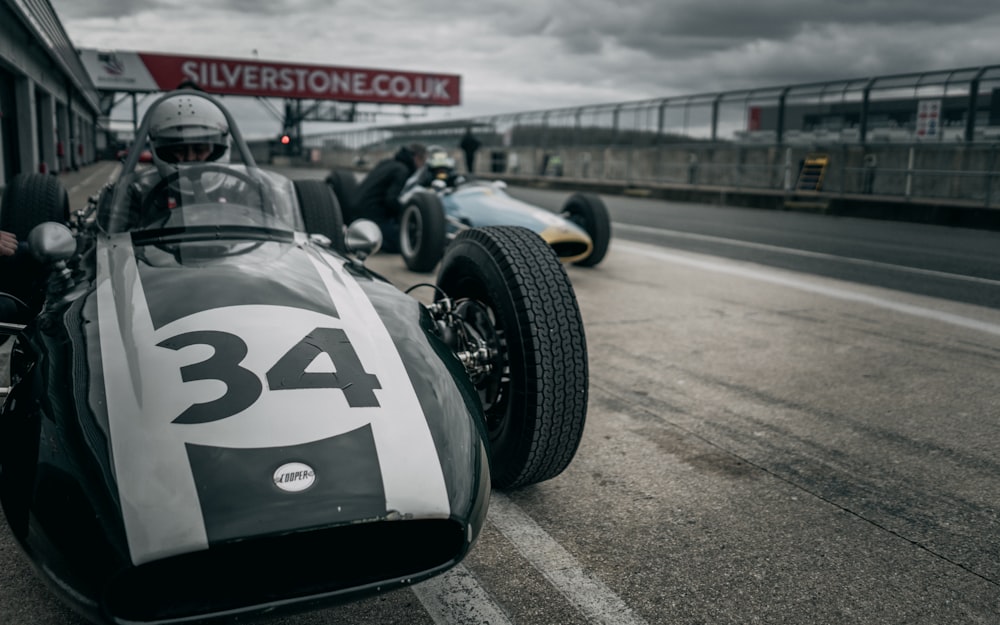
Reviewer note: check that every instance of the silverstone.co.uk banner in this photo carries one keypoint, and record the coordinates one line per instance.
(144, 72)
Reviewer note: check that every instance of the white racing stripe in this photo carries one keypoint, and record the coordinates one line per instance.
(146, 392)
(805, 253)
(159, 500)
(456, 598)
(411, 469)
(590, 596)
(773, 277)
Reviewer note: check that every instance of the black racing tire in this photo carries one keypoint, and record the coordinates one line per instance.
(31, 199)
(321, 211)
(345, 187)
(589, 212)
(422, 232)
(535, 404)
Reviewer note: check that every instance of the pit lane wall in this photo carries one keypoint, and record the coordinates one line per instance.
(948, 184)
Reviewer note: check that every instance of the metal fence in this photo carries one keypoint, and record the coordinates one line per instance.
(920, 135)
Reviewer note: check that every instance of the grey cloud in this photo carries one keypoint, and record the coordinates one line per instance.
(686, 28)
(269, 7)
(78, 9)
(84, 9)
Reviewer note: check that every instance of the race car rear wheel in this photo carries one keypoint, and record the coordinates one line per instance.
(345, 187)
(421, 232)
(589, 212)
(31, 199)
(321, 212)
(535, 396)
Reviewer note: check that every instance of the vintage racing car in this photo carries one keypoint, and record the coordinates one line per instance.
(218, 410)
(436, 212)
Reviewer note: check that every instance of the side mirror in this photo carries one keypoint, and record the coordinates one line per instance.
(51, 242)
(364, 238)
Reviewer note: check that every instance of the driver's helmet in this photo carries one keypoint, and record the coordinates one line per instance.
(187, 128)
(440, 164)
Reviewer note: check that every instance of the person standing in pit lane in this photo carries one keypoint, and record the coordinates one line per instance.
(377, 197)
(469, 145)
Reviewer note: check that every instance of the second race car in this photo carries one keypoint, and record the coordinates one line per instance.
(439, 204)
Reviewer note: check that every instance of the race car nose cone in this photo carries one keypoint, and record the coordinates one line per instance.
(294, 477)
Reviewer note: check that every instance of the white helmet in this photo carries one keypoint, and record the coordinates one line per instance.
(439, 162)
(187, 119)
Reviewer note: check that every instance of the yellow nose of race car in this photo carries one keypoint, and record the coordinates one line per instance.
(570, 246)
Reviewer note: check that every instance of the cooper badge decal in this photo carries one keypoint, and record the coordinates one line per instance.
(294, 477)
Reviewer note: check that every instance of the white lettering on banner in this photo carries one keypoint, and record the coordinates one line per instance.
(215, 80)
(341, 82)
(190, 70)
(267, 78)
(320, 82)
(360, 84)
(231, 76)
(250, 77)
(400, 86)
(422, 89)
(286, 80)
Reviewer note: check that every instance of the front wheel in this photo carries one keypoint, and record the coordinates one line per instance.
(422, 232)
(510, 288)
(589, 212)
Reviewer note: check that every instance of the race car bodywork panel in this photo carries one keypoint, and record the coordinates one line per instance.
(478, 205)
(220, 411)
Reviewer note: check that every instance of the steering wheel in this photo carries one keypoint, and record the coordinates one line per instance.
(194, 175)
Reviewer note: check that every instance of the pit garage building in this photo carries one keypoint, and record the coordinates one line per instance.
(49, 108)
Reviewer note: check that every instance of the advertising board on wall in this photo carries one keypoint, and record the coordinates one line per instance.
(146, 72)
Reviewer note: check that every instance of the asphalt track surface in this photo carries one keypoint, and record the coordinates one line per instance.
(793, 419)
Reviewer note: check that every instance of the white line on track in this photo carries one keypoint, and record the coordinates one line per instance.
(772, 277)
(456, 598)
(803, 253)
(590, 596)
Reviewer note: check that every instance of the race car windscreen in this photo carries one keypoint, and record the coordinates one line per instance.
(206, 194)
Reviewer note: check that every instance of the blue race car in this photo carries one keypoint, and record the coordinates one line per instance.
(438, 207)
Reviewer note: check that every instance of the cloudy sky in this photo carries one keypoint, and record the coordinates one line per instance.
(524, 55)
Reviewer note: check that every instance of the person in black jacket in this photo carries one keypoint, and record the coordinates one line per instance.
(378, 194)
(469, 145)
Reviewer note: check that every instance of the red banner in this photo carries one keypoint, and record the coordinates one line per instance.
(282, 80)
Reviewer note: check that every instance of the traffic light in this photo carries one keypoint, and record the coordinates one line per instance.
(285, 139)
